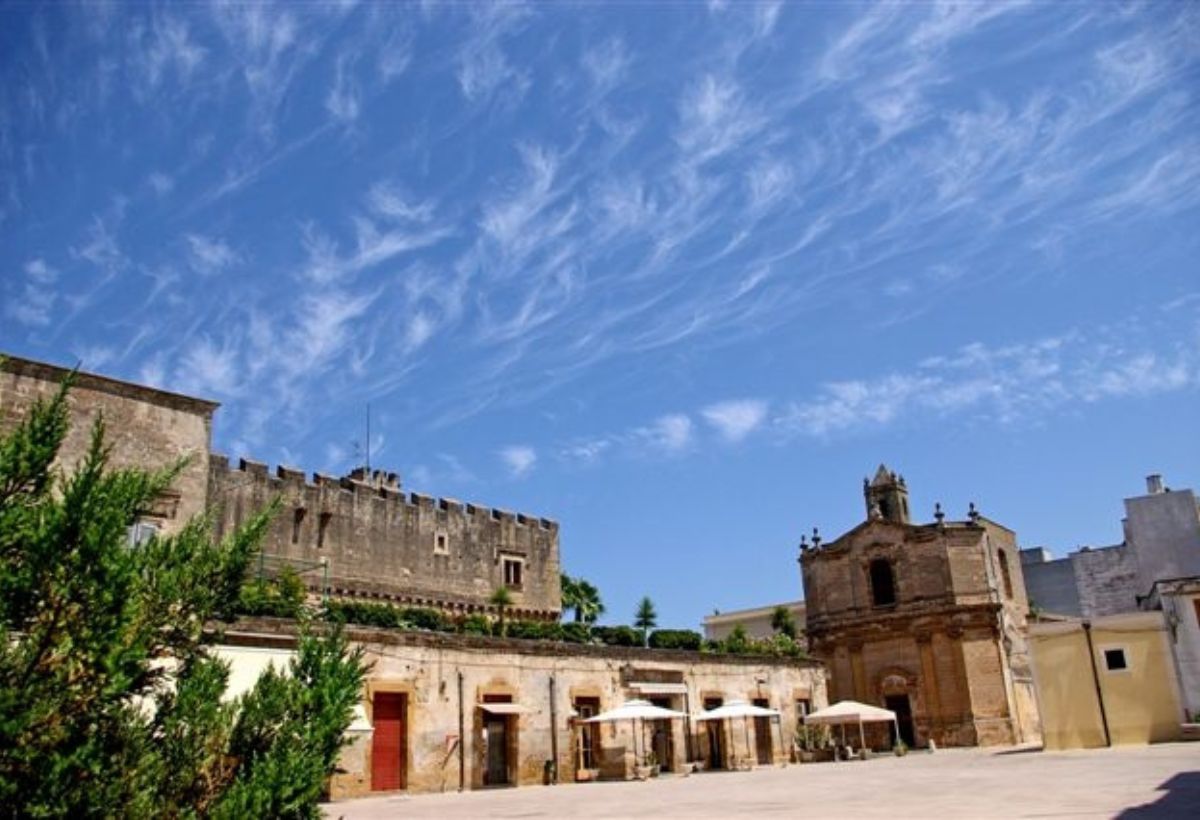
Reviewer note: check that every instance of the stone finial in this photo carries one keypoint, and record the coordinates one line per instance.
(973, 513)
(816, 540)
(804, 543)
(938, 515)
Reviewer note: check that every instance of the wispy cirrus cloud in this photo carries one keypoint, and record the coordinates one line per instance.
(519, 459)
(31, 302)
(210, 255)
(736, 419)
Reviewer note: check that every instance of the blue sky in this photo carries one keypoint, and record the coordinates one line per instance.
(676, 274)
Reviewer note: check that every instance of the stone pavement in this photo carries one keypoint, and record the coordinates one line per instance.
(1132, 783)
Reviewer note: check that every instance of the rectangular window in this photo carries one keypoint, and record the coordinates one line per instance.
(297, 519)
(512, 572)
(141, 532)
(322, 526)
(441, 543)
(1114, 660)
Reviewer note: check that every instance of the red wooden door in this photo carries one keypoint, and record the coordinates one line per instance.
(387, 745)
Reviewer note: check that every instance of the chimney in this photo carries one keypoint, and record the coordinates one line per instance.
(1154, 484)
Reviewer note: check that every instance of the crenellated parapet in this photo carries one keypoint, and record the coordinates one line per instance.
(284, 479)
(379, 540)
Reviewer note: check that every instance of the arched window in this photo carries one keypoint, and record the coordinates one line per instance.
(883, 583)
(1005, 574)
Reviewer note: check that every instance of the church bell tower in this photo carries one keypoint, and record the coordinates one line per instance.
(886, 496)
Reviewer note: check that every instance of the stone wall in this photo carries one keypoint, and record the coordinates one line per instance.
(145, 427)
(1163, 529)
(546, 681)
(1107, 580)
(380, 542)
(1050, 582)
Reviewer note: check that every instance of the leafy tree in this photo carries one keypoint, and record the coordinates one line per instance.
(645, 618)
(110, 704)
(783, 622)
(502, 599)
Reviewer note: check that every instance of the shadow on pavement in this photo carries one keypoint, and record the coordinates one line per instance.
(1182, 799)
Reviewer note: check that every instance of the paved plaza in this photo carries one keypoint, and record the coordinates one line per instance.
(1133, 782)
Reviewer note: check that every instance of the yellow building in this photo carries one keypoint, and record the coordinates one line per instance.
(1105, 682)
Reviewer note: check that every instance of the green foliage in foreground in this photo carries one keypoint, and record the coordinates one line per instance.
(109, 703)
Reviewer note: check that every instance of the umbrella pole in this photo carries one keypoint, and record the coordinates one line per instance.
(843, 738)
(862, 741)
(782, 749)
(746, 730)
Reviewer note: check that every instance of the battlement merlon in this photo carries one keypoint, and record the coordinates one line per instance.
(379, 484)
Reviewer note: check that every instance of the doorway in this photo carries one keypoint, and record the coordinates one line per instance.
(715, 731)
(388, 742)
(762, 735)
(662, 740)
(495, 732)
(901, 705)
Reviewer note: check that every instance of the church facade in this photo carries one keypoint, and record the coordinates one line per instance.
(928, 620)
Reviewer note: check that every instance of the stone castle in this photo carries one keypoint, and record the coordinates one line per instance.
(371, 539)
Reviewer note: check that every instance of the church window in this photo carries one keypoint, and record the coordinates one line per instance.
(1005, 574)
(883, 583)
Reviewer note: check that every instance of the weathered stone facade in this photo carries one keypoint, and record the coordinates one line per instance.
(379, 542)
(144, 427)
(928, 620)
(446, 682)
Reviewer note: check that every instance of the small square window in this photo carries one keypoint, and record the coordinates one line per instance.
(441, 543)
(1114, 660)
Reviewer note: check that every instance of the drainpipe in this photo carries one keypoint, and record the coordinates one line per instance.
(1087, 633)
(553, 734)
(462, 737)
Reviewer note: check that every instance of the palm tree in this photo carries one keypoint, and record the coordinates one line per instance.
(502, 600)
(589, 607)
(570, 594)
(645, 619)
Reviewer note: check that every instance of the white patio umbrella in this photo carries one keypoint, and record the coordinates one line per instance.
(851, 711)
(740, 709)
(633, 711)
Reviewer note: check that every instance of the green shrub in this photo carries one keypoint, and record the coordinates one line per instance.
(429, 619)
(573, 632)
(365, 613)
(617, 635)
(675, 639)
(280, 597)
(475, 625)
(535, 630)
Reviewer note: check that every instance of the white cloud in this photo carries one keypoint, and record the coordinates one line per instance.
(736, 419)
(34, 304)
(342, 102)
(520, 459)
(209, 255)
(672, 433)
(160, 183)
